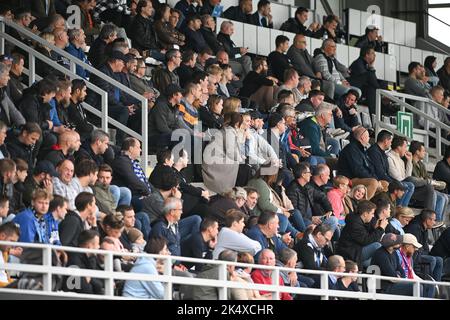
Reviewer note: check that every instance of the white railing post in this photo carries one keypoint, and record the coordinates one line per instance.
(47, 262)
(104, 110)
(416, 289)
(168, 286)
(372, 286)
(73, 67)
(109, 267)
(438, 142)
(32, 69)
(324, 286)
(377, 112)
(223, 276)
(276, 282)
(144, 135)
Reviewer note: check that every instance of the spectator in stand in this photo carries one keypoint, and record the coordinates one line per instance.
(359, 239)
(377, 154)
(10, 115)
(240, 13)
(211, 114)
(40, 9)
(414, 84)
(16, 86)
(329, 29)
(7, 178)
(22, 16)
(355, 164)
(441, 248)
(76, 47)
(142, 32)
(95, 149)
(337, 195)
(128, 171)
(419, 227)
(75, 110)
(299, 56)
(8, 232)
(297, 23)
(312, 103)
(187, 67)
(331, 71)
(87, 239)
(442, 169)
(174, 229)
(403, 216)
(194, 37)
(262, 17)
(303, 196)
(102, 190)
(68, 144)
(444, 74)
(4, 209)
(430, 65)
(188, 7)
(423, 192)
(200, 245)
(277, 60)
(37, 224)
(348, 283)
(393, 196)
(347, 119)
(335, 264)
(312, 251)
(62, 185)
(239, 60)
(362, 75)
(356, 195)
(231, 237)
(267, 258)
(167, 36)
(141, 85)
(22, 145)
(387, 260)
(97, 56)
(371, 39)
(290, 82)
(208, 31)
(40, 179)
(88, 24)
(4, 153)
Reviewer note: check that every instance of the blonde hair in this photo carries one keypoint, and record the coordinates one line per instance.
(340, 180)
(358, 187)
(403, 211)
(215, 70)
(231, 104)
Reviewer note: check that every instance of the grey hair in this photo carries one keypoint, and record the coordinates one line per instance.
(327, 42)
(171, 204)
(228, 255)
(262, 253)
(323, 109)
(288, 112)
(107, 30)
(333, 262)
(4, 68)
(320, 169)
(303, 80)
(73, 34)
(99, 135)
(225, 25)
(286, 254)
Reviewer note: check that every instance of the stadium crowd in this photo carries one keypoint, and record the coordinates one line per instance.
(290, 176)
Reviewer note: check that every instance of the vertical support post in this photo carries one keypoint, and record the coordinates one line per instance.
(377, 111)
(2, 40)
(144, 146)
(223, 291)
(168, 285)
(372, 286)
(109, 268)
(276, 282)
(31, 69)
(416, 289)
(47, 262)
(104, 111)
(324, 285)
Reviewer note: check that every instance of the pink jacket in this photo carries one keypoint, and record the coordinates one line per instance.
(336, 198)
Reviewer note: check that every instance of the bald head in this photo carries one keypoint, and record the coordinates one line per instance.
(69, 141)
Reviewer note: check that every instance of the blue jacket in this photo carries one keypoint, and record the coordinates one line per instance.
(79, 53)
(256, 234)
(380, 162)
(32, 230)
(355, 163)
(54, 114)
(144, 289)
(161, 229)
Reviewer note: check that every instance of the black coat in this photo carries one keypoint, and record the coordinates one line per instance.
(17, 149)
(211, 39)
(389, 264)
(442, 173)
(362, 76)
(354, 162)
(77, 117)
(195, 40)
(444, 78)
(304, 198)
(254, 19)
(70, 229)
(142, 34)
(441, 247)
(86, 153)
(356, 235)
(228, 45)
(163, 118)
(83, 261)
(209, 120)
(236, 14)
(294, 26)
(416, 228)
(307, 255)
(97, 53)
(196, 247)
(124, 176)
(364, 42)
(380, 163)
(56, 156)
(278, 63)
(35, 110)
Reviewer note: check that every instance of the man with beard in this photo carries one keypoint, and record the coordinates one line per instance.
(68, 143)
(58, 112)
(77, 115)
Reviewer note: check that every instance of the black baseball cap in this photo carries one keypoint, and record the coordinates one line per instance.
(45, 166)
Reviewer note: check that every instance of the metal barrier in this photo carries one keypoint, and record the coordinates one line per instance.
(400, 98)
(223, 285)
(74, 62)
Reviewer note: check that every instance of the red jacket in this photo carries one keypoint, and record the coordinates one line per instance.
(260, 278)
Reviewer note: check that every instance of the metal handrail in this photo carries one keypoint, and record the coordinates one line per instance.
(400, 99)
(222, 284)
(74, 61)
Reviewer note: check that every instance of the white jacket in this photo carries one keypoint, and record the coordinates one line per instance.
(397, 169)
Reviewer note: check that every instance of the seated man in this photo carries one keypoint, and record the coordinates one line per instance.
(363, 76)
(419, 227)
(236, 54)
(76, 113)
(355, 164)
(174, 229)
(312, 250)
(333, 73)
(359, 239)
(266, 233)
(419, 171)
(262, 16)
(107, 35)
(442, 169)
(267, 258)
(12, 116)
(194, 37)
(277, 60)
(395, 193)
(8, 232)
(300, 58)
(347, 119)
(76, 47)
(232, 238)
(240, 13)
(371, 38)
(22, 145)
(335, 264)
(297, 23)
(313, 102)
(201, 244)
(40, 179)
(424, 193)
(68, 144)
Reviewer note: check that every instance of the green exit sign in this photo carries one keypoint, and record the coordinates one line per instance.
(405, 123)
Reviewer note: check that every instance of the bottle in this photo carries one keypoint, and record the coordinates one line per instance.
(325, 35)
(343, 39)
